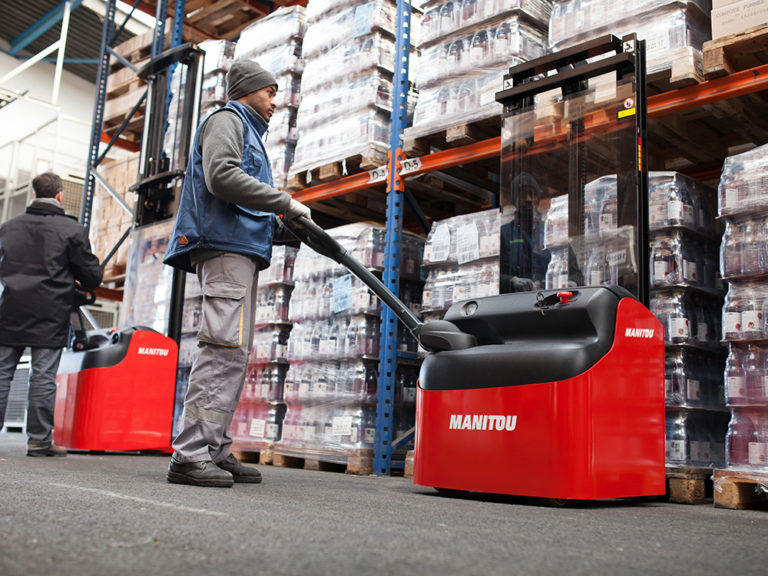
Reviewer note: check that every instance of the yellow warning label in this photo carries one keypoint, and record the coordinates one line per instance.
(627, 112)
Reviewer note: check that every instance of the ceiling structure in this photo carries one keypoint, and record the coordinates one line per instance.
(23, 32)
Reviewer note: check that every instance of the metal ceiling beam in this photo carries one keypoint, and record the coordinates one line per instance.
(41, 26)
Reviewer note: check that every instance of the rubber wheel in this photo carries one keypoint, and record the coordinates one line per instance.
(555, 502)
(451, 493)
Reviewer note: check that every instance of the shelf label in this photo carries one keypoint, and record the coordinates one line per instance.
(467, 243)
(341, 425)
(378, 175)
(342, 293)
(441, 243)
(258, 427)
(410, 165)
(617, 258)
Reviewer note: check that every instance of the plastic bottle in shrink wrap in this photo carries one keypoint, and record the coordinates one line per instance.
(758, 444)
(740, 432)
(750, 247)
(730, 251)
(732, 311)
(754, 367)
(736, 376)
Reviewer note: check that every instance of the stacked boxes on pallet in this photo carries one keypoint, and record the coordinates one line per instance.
(461, 257)
(346, 87)
(331, 386)
(743, 204)
(466, 48)
(686, 297)
(674, 30)
(110, 219)
(218, 57)
(124, 88)
(275, 42)
(258, 420)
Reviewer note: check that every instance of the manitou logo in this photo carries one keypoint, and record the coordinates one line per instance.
(143, 351)
(482, 422)
(639, 333)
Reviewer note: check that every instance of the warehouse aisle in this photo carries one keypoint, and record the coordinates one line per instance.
(115, 514)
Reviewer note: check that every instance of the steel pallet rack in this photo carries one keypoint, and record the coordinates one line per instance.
(400, 169)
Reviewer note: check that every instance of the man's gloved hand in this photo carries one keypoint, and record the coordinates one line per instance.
(296, 209)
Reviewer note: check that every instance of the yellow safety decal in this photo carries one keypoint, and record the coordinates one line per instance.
(625, 113)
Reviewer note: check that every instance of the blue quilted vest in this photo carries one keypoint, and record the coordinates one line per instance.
(205, 221)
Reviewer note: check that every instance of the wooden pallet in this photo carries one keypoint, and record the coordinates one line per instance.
(222, 19)
(741, 490)
(736, 52)
(358, 462)
(265, 455)
(132, 132)
(419, 144)
(123, 81)
(685, 69)
(408, 470)
(687, 485)
(371, 159)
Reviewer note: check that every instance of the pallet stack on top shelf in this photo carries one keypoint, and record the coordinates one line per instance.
(466, 48)
(110, 219)
(330, 389)
(686, 297)
(275, 42)
(218, 57)
(674, 31)
(347, 89)
(743, 205)
(124, 88)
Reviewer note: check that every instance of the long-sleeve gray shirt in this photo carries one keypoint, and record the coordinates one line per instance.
(221, 141)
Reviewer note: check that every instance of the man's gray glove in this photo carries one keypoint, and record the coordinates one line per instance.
(296, 209)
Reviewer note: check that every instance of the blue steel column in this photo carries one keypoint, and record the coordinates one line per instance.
(395, 189)
(98, 113)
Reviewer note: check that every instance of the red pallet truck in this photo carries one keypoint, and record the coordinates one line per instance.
(115, 390)
(554, 394)
(551, 393)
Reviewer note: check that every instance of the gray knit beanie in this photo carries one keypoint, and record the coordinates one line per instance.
(245, 77)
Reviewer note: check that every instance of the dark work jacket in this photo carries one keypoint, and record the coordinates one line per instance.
(42, 253)
(205, 221)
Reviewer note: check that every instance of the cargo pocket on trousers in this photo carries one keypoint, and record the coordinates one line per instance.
(223, 314)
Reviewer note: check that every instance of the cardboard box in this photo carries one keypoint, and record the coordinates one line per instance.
(720, 3)
(738, 17)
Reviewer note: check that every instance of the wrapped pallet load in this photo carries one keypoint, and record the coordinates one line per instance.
(466, 48)
(347, 86)
(331, 386)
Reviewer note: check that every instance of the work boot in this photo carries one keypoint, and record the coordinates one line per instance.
(38, 448)
(204, 473)
(240, 473)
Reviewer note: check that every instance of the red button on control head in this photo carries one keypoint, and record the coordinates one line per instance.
(565, 297)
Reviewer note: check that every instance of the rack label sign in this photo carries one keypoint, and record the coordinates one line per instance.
(410, 165)
(377, 175)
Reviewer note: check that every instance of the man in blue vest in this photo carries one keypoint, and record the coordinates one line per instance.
(223, 233)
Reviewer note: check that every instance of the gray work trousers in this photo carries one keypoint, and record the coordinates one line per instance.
(228, 282)
(41, 398)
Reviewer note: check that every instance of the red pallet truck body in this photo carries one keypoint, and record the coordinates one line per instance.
(118, 395)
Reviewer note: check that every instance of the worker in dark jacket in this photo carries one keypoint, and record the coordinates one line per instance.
(223, 231)
(43, 254)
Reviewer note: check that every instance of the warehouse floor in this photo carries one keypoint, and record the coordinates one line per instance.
(115, 514)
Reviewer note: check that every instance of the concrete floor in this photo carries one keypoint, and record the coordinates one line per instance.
(115, 514)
